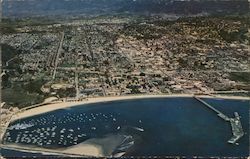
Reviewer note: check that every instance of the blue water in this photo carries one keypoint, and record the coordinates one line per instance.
(157, 127)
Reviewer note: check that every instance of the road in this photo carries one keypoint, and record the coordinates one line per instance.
(58, 55)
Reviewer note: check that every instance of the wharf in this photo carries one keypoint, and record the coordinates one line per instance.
(235, 122)
(236, 128)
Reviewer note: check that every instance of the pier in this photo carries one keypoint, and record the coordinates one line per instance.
(235, 122)
(236, 128)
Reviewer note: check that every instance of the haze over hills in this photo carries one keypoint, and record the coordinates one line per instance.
(22, 8)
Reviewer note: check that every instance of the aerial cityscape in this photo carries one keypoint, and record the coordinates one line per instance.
(124, 57)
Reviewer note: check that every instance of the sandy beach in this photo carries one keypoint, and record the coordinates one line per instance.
(64, 105)
(84, 149)
(79, 150)
(100, 147)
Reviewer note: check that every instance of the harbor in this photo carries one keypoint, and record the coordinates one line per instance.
(102, 127)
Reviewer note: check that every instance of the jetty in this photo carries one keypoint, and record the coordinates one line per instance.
(235, 122)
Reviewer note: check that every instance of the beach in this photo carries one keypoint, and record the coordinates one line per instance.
(63, 105)
(76, 151)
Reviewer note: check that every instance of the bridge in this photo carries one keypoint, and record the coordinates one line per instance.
(235, 122)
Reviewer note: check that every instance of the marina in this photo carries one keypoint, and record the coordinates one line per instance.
(118, 124)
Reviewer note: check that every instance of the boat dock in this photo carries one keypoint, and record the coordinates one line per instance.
(235, 122)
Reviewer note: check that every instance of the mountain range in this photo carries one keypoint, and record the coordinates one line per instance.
(23, 8)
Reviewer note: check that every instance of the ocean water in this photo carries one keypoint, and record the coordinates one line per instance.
(142, 127)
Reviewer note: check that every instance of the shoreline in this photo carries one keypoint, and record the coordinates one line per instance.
(87, 150)
(63, 105)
